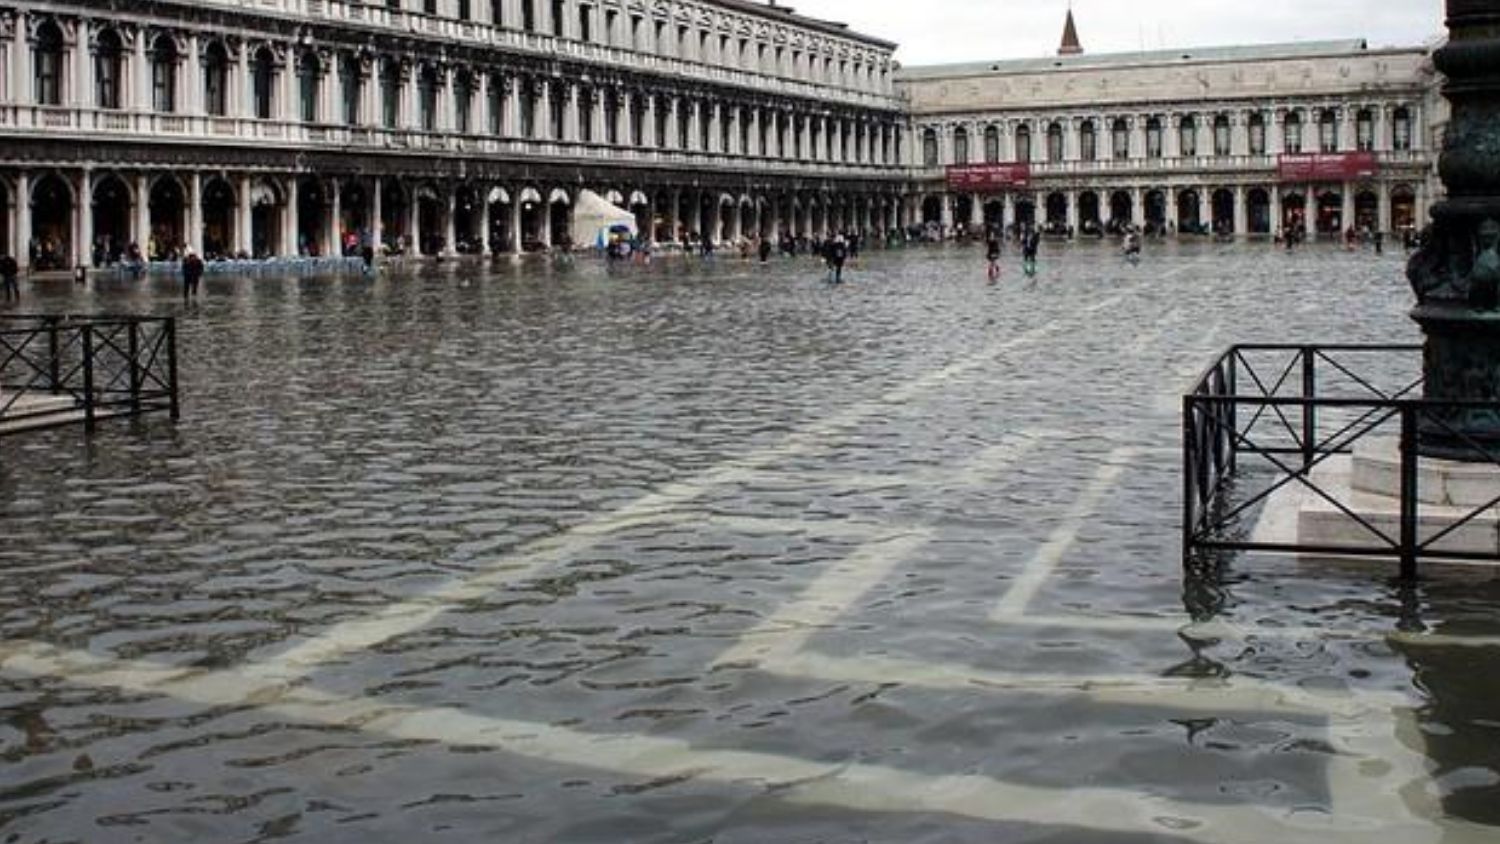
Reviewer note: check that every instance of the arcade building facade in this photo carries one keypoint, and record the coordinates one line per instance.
(441, 127)
(300, 127)
(1318, 137)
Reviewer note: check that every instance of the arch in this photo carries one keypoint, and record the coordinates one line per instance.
(1156, 210)
(1121, 209)
(165, 57)
(1088, 141)
(1023, 143)
(1057, 209)
(51, 236)
(614, 197)
(1330, 212)
(637, 199)
(1294, 212)
(1258, 211)
(395, 202)
(167, 211)
(216, 76)
(1088, 213)
(530, 194)
(727, 199)
(1188, 211)
(1026, 211)
(432, 219)
(1056, 147)
(559, 196)
(498, 196)
(109, 69)
(1366, 209)
(468, 219)
(219, 210)
(111, 202)
(267, 199)
(1404, 208)
(263, 83)
(1222, 205)
(50, 50)
(314, 204)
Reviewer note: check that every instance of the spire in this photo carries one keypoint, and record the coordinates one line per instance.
(1070, 45)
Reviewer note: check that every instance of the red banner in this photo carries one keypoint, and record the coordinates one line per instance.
(982, 177)
(1328, 167)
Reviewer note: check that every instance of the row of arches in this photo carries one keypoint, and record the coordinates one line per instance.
(106, 217)
(1265, 210)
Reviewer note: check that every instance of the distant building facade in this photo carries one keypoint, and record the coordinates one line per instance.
(285, 127)
(1246, 141)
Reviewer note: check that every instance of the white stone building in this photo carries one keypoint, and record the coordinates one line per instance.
(1179, 138)
(285, 127)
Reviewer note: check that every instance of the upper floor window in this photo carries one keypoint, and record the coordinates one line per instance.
(465, 10)
(528, 15)
(1223, 138)
(427, 98)
(559, 105)
(496, 94)
(109, 65)
(1120, 140)
(586, 23)
(1055, 147)
(263, 82)
(960, 146)
(1088, 142)
(526, 99)
(497, 12)
(1257, 134)
(463, 103)
(1188, 132)
(1023, 143)
(684, 121)
(216, 80)
(309, 84)
(991, 144)
(1153, 137)
(611, 118)
(352, 81)
(164, 75)
(1401, 130)
(390, 94)
(1293, 132)
(1328, 131)
(1364, 133)
(559, 18)
(47, 73)
(929, 148)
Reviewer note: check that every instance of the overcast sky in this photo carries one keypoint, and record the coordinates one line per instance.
(938, 31)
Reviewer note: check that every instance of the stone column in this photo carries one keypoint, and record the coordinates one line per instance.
(947, 220)
(1205, 206)
(335, 219)
(82, 93)
(450, 223)
(377, 216)
(1275, 134)
(23, 215)
(290, 224)
(194, 227)
(517, 237)
(1138, 206)
(648, 131)
(1347, 213)
(243, 238)
(1276, 216)
(139, 73)
(1073, 210)
(141, 233)
(484, 222)
(83, 212)
(20, 91)
(1241, 213)
(1382, 130)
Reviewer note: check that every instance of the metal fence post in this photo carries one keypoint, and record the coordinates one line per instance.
(1189, 489)
(54, 362)
(134, 349)
(1309, 412)
(171, 330)
(1409, 492)
(87, 337)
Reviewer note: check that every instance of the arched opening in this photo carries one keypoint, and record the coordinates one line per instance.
(994, 214)
(1330, 219)
(468, 216)
(309, 86)
(51, 224)
(1187, 211)
(432, 220)
(960, 146)
(1294, 213)
(1088, 214)
(500, 230)
(47, 73)
(167, 209)
(218, 219)
(354, 217)
(216, 79)
(109, 70)
(1404, 208)
(313, 205)
(265, 219)
(263, 83)
(932, 210)
(1055, 149)
(1023, 143)
(111, 210)
(1057, 211)
(930, 149)
(1121, 210)
(164, 60)
(1291, 131)
(532, 217)
(1156, 211)
(1120, 139)
(1366, 210)
(1026, 212)
(963, 211)
(394, 205)
(560, 207)
(1223, 211)
(1259, 211)
(7, 214)
(1088, 142)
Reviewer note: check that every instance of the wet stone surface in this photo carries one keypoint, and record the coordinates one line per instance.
(713, 553)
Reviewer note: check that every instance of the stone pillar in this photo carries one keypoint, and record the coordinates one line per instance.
(21, 94)
(290, 224)
(83, 213)
(243, 237)
(1275, 135)
(484, 222)
(517, 237)
(194, 212)
(947, 220)
(1205, 206)
(1008, 210)
(1138, 206)
(1276, 215)
(450, 223)
(1384, 213)
(673, 213)
(141, 231)
(82, 93)
(1241, 213)
(139, 74)
(1347, 214)
(377, 216)
(335, 219)
(23, 216)
(1073, 210)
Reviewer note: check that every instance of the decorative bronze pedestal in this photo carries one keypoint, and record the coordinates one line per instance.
(1456, 273)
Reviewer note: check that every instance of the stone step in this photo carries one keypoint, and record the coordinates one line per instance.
(1319, 522)
(1377, 471)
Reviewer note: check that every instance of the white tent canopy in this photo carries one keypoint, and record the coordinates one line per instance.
(594, 219)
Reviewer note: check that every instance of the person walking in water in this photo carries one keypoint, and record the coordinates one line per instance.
(8, 272)
(837, 253)
(1031, 243)
(992, 254)
(192, 273)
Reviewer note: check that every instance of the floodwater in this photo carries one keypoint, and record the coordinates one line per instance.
(715, 553)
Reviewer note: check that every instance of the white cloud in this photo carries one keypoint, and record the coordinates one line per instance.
(940, 31)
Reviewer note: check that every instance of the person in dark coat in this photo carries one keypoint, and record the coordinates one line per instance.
(9, 269)
(192, 273)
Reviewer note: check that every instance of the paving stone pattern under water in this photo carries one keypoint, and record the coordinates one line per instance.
(714, 553)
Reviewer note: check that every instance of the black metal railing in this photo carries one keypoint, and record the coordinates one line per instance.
(1265, 417)
(57, 370)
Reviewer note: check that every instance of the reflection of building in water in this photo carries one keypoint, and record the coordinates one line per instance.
(1190, 139)
(443, 126)
(284, 127)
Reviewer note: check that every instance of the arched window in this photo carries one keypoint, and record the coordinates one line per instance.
(164, 74)
(1328, 131)
(390, 95)
(1153, 137)
(1023, 143)
(216, 79)
(352, 83)
(585, 115)
(47, 73)
(1088, 142)
(1223, 140)
(684, 124)
(1365, 130)
(463, 103)
(1401, 130)
(1292, 130)
(309, 85)
(109, 65)
(1257, 134)
(264, 82)
(991, 144)
(929, 148)
(638, 121)
(526, 98)
(960, 146)
(1121, 139)
(1055, 142)
(427, 98)
(611, 117)
(1188, 132)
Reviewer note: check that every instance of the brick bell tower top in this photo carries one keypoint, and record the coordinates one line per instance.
(1070, 45)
